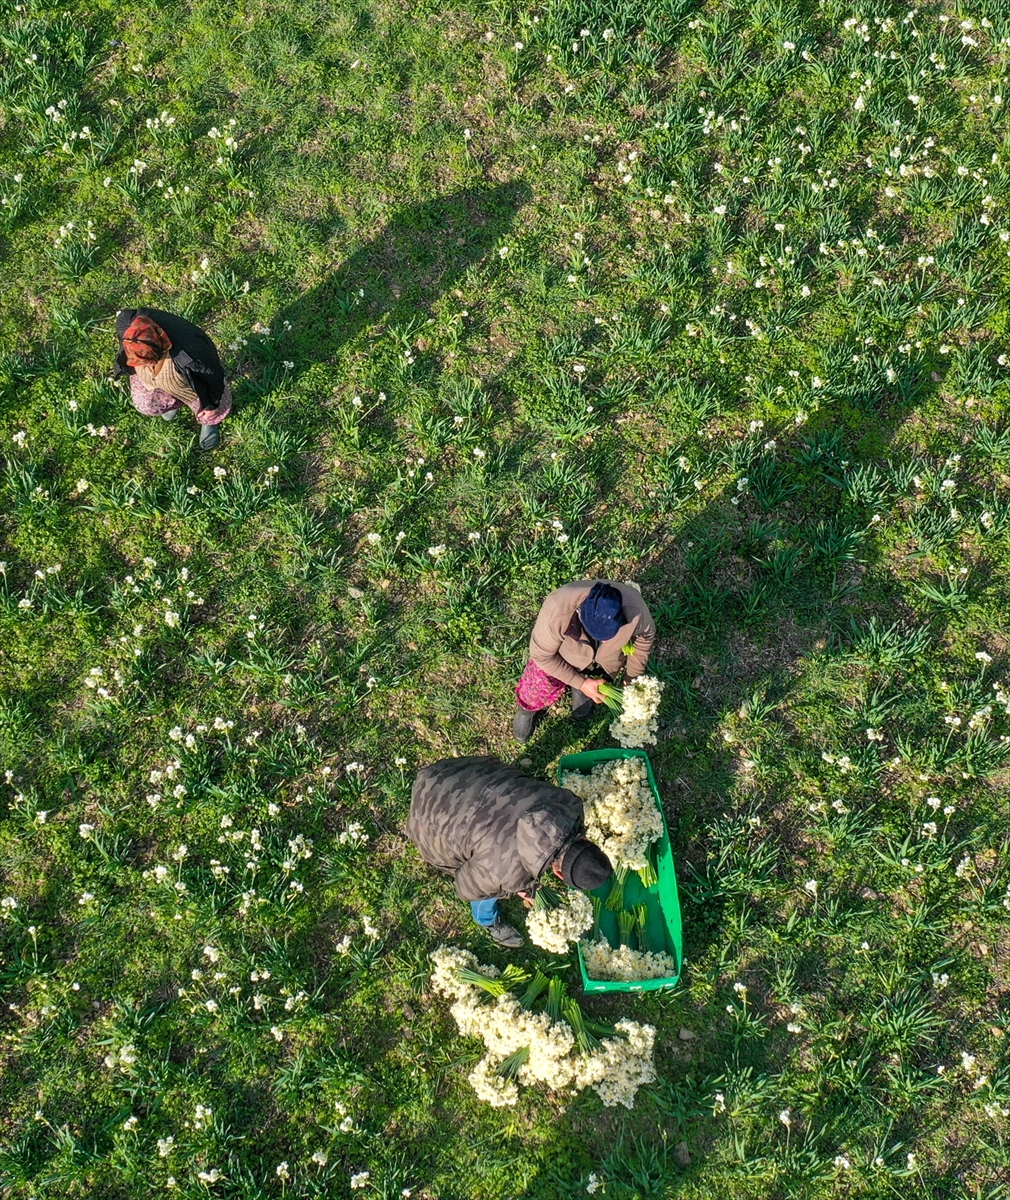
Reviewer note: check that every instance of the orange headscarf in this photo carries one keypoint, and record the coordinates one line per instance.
(145, 342)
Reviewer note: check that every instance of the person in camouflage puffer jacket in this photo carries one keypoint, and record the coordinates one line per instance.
(496, 831)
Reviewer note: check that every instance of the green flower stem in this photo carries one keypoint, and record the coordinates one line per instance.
(615, 901)
(626, 922)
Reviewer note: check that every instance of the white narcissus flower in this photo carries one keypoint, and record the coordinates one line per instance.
(638, 723)
(492, 1088)
(553, 928)
(603, 961)
(621, 813)
(615, 1070)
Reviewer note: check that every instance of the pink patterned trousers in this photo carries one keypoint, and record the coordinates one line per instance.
(153, 402)
(536, 689)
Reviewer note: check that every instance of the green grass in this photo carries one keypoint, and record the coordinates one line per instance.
(532, 306)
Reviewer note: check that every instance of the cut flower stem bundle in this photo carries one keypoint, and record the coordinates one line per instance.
(613, 697)
(615, 901)
(641, 920)
(648, 874)
(546, 898)
(626, 924)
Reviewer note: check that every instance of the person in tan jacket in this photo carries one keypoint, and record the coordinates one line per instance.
(585, 633)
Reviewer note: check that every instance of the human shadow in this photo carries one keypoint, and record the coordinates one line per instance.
(391, 282)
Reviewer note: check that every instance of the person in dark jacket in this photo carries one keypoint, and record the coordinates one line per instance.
(495, 831)
(585, 633)
(172, 362)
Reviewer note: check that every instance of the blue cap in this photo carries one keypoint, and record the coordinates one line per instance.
(601, 613)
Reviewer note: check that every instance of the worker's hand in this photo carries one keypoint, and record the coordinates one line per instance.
(206, 415)
(591, 688)
(526, 898)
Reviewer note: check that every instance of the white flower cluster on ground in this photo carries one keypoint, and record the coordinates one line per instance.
(604, 962)
(621, 813)
(615, 1070)
(553, 928)
(638, 723)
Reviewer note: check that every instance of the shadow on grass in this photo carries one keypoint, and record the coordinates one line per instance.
(391, 283)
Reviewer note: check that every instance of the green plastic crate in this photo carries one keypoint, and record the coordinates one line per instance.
(663, 924)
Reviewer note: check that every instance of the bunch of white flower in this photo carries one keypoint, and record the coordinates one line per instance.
(604, 962)
(615, 1069)
(492, 1088)
(621, 813)
(621, 1066)
(123, 1058)
(450, 959)
(638, 723)
(553, 928)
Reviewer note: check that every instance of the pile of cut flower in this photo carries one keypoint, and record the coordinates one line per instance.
(621, 817)
(636, 706)
(558, 1046)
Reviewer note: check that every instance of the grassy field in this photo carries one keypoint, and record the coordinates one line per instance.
(711, 296)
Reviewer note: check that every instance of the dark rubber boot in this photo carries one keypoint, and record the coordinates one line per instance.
(170, 416)
(210, 437)
(523, 724)
(504, 935)
(582, 706)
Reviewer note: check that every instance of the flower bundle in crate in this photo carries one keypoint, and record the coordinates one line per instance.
(635, 958)
(621, 818)
(535, 1033)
